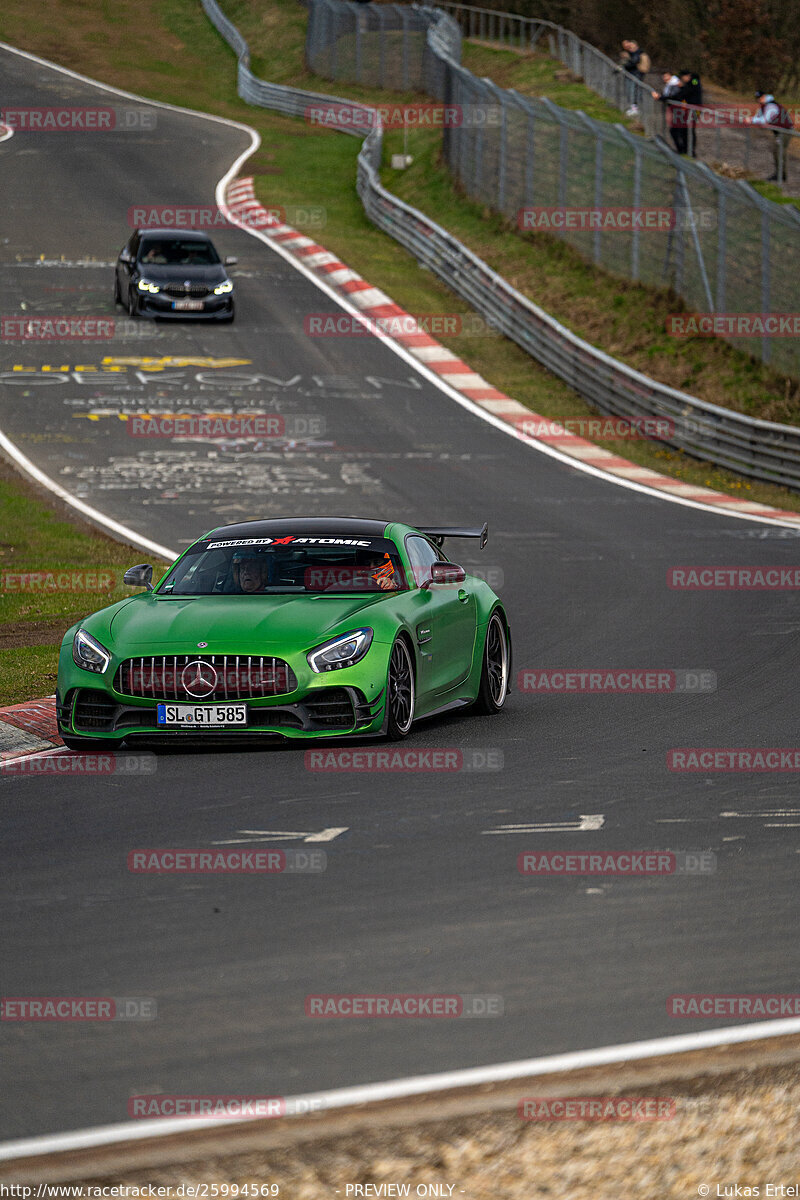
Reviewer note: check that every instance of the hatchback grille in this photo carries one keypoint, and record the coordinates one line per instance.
(194, 289)
(205, 677)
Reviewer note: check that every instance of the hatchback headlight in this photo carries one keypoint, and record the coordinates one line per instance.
(222, 288)
(88, 653)
(144, 285)
(341, 652)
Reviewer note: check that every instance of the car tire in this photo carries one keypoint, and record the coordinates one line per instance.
(493, 689)
(117, 293)
(400, 692)
(82, 745)
(133, 305)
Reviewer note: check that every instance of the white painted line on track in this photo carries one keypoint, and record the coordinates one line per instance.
(416, 1085)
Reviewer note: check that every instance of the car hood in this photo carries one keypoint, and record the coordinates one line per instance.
(156, 273)
(235, 624)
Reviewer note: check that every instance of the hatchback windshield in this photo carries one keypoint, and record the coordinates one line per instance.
(286, 564)
(178, 252)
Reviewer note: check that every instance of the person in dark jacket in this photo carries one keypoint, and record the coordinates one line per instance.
(684, 104)
(637, 64)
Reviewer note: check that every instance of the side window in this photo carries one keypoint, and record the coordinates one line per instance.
(421, 554)
(133, 244)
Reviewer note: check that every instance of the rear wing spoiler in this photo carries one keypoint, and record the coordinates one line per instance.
(438, 534)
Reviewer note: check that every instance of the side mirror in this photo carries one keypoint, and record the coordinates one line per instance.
(444, 572)
(124, 256)
(231, 262)
(139, 576)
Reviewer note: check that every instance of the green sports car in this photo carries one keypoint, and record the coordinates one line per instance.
(244, 633)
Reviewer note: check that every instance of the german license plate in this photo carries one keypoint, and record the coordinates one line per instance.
(187, 305)
(201, 715)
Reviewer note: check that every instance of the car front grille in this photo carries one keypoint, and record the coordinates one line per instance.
(180, 290)
(94, 711)
(330, 708)
(205, 677)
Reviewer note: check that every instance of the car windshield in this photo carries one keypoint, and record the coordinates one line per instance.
(178, 252)
(287, 563)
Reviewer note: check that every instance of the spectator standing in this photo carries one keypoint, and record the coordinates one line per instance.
(774, 115)
(672, 86)
(685, 105)
(637, 64)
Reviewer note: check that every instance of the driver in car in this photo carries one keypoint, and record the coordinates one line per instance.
(250, 572)
(383, 575)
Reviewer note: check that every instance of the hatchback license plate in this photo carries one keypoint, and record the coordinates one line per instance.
(187, 305)
(202, 714)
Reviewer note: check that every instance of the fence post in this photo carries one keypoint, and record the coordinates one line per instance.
(530, 156)
(765, 279)
(598, 183)
(563, 143)
(404, 12)
(722, 247)
(334, 42)
(501, 182)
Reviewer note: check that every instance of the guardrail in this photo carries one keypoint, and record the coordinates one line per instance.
(758, 449)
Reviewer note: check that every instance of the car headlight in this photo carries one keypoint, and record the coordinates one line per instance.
(341, 651)
(222, 288)
(88, 653)
(144, 285)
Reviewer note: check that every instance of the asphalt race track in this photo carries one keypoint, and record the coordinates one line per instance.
(418, 895)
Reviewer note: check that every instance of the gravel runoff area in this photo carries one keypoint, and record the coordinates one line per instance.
(734, 1122)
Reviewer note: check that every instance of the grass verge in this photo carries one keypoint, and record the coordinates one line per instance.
(75, 570)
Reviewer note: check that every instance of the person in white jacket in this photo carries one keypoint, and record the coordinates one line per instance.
(775, 116)
(672, 85)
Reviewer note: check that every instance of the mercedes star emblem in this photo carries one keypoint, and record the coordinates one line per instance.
(199, 679)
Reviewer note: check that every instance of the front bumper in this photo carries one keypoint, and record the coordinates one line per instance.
(298, 704)
(215, 308)
(326, 711)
